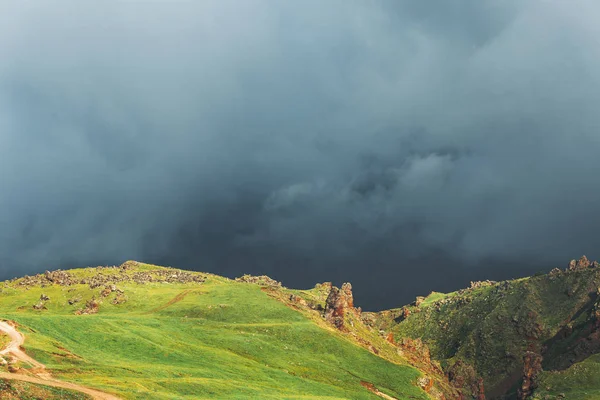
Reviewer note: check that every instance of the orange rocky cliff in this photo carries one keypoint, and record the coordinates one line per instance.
(338, 303)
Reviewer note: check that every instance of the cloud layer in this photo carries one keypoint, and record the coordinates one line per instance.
(403, 146)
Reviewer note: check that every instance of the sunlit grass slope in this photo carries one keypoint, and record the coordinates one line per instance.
(217, 339)
(15, 390)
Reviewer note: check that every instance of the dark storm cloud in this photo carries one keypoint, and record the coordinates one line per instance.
(391, 143)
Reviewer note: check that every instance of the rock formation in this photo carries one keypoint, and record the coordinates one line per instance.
(338, 303)
(463, 376)
(261, 280)
(582, 263)
(532, 366)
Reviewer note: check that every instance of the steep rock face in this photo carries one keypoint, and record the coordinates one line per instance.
(338, 303)
(582, 263)
(463, 376)
(553, 315)
(532, 366)
(576, 341)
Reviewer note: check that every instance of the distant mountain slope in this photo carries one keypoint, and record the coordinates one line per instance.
(497, 338)
(145, 332)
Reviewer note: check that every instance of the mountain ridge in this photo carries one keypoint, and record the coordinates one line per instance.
(514, 339)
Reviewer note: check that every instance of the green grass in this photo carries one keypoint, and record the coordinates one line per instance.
(491, 327)
(220, 339)
(436, 296)
(13, 390)
(579, 382)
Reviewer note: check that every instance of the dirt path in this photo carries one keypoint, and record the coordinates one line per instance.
(371, 388)
(41, 375)
(174, 300)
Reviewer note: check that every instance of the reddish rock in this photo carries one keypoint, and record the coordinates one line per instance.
(261, 280)
(582, 263)
(532, 366)
(425, 383)
(338, 303)
(298, 300)
(480, 390)
(390, 338)
(91, 307)
(555, 272)
(463, 376)
(415, 348)
(480, 284)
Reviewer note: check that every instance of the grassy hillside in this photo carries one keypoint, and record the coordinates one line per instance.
(486, 331)
(11, 390)
(147, 332)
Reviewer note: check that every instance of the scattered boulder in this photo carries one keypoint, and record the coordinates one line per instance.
(108, 290)
(75, 299)
(325, 286)
(48, 278)
(419, 300)
(44, 297)
(120, 298)
(425, 383)
(261, 280)
(555, 272)
(480, 284)
(108, 276)
(39, 306)
(91, 307)
(298, 300)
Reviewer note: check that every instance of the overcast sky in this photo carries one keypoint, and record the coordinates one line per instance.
(403, 146)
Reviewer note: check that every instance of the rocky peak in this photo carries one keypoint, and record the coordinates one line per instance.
(582, 263)
(338, 303)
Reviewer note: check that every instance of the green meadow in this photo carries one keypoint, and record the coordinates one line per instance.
(218, 339)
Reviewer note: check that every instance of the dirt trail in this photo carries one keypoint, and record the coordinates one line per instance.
(371, 388)
(40, 374)
(174, 300)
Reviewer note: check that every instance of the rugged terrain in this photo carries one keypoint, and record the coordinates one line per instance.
(140, 331)
(534, 337)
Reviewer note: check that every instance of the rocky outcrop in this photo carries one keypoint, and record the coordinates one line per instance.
(91, 307)
(582, 263)
(261, 280)
(111, 275)
(390, 338)
(481, 284)
(463, 376)
(532, 366)
(414, 350)
(555, 272)
(339, 302)
(295, 299)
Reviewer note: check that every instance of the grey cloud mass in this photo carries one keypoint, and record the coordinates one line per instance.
(404, 146)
